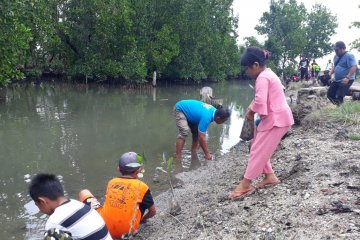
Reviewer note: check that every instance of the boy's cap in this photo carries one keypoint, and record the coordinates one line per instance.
(339, 45)
(128, 162)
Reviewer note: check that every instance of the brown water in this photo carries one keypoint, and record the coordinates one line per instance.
(78, 133)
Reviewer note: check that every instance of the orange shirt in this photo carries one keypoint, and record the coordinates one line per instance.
(121, 206)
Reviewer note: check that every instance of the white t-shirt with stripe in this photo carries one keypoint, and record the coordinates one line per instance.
(80, 220)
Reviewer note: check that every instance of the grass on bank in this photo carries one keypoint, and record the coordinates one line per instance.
(347, 114)
(355, 137)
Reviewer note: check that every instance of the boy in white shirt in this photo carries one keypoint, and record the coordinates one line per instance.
(68, 215)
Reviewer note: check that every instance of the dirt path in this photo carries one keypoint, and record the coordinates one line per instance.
(319, 197)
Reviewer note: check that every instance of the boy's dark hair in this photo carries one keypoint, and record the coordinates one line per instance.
(45, 185)
(254, 54)
(223, 113)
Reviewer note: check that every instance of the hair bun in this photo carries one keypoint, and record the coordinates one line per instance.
(267, 54)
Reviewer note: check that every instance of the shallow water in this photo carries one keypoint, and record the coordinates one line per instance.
(78, 133)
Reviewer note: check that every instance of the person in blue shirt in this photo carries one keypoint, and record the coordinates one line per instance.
(196, 116)
(344, 69)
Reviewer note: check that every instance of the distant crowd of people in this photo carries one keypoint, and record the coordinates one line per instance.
(307, 71)
(338, 75)
(128, 200)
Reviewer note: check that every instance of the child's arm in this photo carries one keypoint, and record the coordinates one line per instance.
(147, 206)
(149, 214)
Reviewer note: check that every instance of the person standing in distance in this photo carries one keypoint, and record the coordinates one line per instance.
(304, 68)
(329, 66)
(196, 116)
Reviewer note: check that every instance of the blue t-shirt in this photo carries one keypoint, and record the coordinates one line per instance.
(343, 67)
(197, 112)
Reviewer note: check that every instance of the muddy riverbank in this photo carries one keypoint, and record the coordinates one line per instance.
(318, 198)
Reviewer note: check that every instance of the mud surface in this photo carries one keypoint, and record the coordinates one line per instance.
(318, 197)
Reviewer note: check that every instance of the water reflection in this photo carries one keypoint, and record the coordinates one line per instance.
(80, 132)
(231, 131)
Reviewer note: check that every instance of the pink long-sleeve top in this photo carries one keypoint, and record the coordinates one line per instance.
(270, 102)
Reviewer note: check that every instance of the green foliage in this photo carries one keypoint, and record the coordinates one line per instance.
(141, 158)
(207, 41)
(125, 40)
(320, 27)
(163, 48)
(347, 113)
(170, 163)
(252, 42)
(14, 40)
(355, 137)
(291, 32)
(283, 25)
(356, 43)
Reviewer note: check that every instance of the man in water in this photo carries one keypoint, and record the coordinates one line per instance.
(196, 116)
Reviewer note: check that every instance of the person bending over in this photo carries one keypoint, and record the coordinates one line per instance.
(196, 116)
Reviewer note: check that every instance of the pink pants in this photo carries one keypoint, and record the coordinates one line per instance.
(262, 148)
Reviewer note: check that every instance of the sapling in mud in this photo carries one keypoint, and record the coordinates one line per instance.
(174, 206)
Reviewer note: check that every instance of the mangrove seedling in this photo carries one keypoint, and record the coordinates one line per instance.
(174, 206)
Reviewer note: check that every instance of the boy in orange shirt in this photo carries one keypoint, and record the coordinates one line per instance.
(126, 200)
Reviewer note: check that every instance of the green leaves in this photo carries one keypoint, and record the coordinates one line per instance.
(320, 27)
(170, 163)
(163, 48)
(141, 158)
(120, 40)
(207, 41)
(292, 31)
(356, 43)
(14, 41)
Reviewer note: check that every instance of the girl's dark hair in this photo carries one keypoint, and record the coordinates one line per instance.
(254, 54)
(45, 185)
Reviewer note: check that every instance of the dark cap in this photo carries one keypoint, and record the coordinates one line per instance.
(339, 45)
(128, 162)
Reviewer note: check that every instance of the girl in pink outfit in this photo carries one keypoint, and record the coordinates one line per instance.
(276, 119)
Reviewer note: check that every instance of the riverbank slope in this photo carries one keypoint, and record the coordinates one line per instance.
(318, 198)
